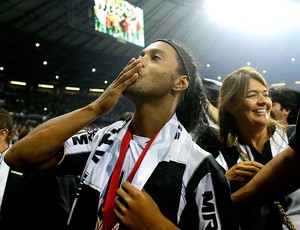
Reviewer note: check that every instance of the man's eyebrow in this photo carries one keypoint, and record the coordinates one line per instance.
(154, 50)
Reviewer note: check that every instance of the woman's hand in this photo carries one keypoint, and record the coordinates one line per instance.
(242, 172)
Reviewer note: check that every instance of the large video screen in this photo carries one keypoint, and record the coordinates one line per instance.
(120, 19)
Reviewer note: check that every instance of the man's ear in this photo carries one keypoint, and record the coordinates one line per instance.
(181, 83)
(287, 111)
(3, 133)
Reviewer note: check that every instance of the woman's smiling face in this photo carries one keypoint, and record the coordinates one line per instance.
(256, 106)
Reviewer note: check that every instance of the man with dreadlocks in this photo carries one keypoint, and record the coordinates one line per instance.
(152, 149)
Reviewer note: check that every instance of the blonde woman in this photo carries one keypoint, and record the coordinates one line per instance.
(251, 138)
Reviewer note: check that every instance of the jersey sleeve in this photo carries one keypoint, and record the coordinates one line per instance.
(214, 195)
(208, 198)
(72, 156)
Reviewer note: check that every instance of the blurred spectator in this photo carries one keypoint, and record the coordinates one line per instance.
(286, 104)
(212, 88)
(27, 200)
